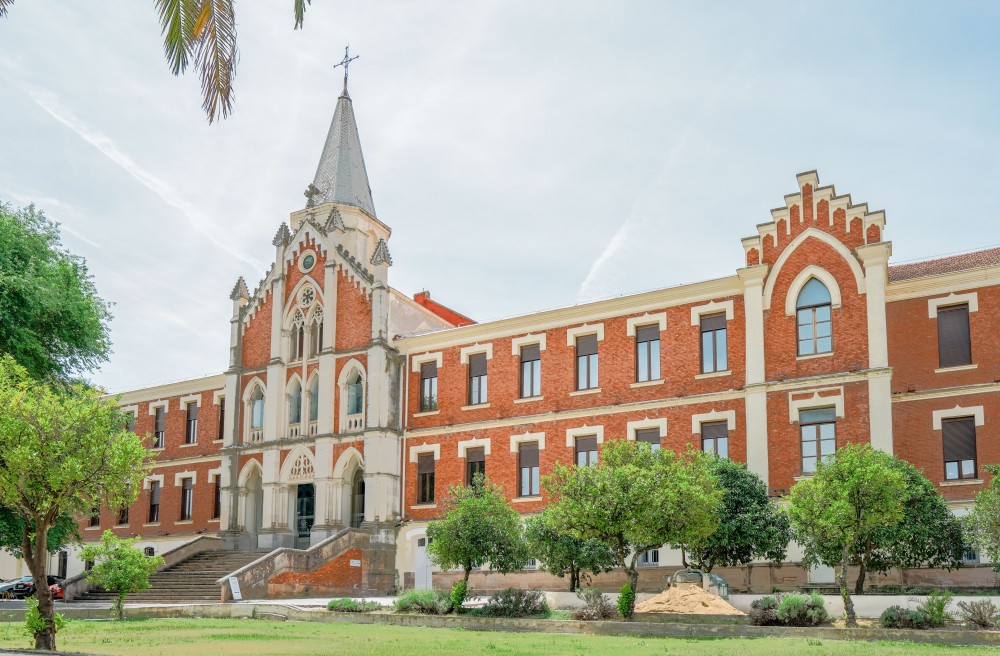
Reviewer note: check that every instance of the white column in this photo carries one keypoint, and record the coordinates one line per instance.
(875, 258)
(756, 394)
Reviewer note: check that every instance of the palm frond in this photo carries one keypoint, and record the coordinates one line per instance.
(214, 35)
(300, 11)
(177, 21)
(5, 4)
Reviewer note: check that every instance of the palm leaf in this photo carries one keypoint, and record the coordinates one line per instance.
(214, 34)
(5, 4)
(177, 20)
(300, 11)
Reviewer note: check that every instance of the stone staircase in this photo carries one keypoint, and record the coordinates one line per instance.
(193, 579)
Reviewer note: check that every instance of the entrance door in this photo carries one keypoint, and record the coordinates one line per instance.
(358, 500)
(305, 514)
(422, 564)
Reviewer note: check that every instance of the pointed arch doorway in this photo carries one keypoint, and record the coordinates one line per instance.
(358, 499)
(305, 514)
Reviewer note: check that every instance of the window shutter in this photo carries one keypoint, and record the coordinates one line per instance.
(714, 430)
(425, 464)
(477, 364)
(954, 347)
(528, 454)
(649, 435)
(192, 411)
(713, 322)
(647, 333)
(959, 439)
(154, 493)
(160, 416)
(529, 353)
(817, 415)
(429, 370)
(586, 345)
(186, 484)
(584, 444)
(475, 455)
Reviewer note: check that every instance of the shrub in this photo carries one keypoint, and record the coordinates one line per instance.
(935, 608)
(764, 611)
(625, 600)
(459, 593)
(428, 602)
(595, 606)
(34, 622)
(800, 610)
(352, 605)
(897, 617)
(981, 614)
(514, 602)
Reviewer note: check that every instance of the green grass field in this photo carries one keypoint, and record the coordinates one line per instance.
(193, 637)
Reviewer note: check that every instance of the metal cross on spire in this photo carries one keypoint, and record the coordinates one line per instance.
(345, 63)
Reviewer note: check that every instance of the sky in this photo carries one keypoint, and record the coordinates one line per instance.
(527, 155)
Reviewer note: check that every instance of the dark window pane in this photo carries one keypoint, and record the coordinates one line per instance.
(954, 344)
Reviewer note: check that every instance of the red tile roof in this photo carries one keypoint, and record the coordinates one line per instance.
(962, 262)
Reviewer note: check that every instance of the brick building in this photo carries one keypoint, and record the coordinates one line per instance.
(348, 404)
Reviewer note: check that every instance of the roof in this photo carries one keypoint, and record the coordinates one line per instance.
(341, 176)
(961, 262)
(451, 316)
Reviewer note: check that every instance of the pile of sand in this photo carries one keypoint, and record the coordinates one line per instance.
(689, 599)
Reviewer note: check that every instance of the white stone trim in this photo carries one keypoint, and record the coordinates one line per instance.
(975, 411)
(465, 445)
(417, 360)
(130, 410)
(187, 400)
(157, 478)
(819, 273)
(729, 416)
(584, 392)
(642, 424)
(425, 448)
(826, 238)
(475, 349)
(527, 340)
(934, 304)
(660, 318)
(517, 440)
(816, 401)
(585, 329)
(711, 308)
(584, 431)
(179, 476)
(217, 396)
(214, 474)
(153, 405)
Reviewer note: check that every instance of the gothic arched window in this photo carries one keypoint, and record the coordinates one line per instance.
(355, 394)
(298, 337)
(295, 402)
(314, 398)
(316, 333)
(815, 328)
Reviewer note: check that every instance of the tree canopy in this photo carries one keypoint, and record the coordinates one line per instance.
(854, 493)
(635, 500)
(64, 532)
(52, 321)
(562, 553)
(751, 525)
(983, 523)
(119, 567)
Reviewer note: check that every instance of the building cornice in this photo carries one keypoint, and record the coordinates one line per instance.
(945, 283)
(178, 388)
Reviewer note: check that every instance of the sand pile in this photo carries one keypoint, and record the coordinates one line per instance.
(687, 598)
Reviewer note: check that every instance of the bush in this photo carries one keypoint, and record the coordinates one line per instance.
(897, 617)
(513, 602)
(459, 593)
(595, 606)
(428, 602)
(352, 606)
(764, 611)
(980, 614)
(625, 599)
(935, 608)
(800, 610)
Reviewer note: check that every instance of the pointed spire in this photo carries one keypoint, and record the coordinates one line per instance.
(335, 222)
(239, 290)
(381, 254)
(283, 236)
(341, 176)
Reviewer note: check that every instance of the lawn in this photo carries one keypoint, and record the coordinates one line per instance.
(194, 637)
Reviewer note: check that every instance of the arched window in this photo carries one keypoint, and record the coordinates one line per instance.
(316, 333)
(355, 394)
(257, 408)
(314, 398)
(295, 402)
(298, 337)
(815, 334)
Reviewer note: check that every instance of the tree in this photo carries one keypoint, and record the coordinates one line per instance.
(929, 535)
(63, 451)
(635, 500)
(64, 532)
(119, 567)
(751, 525)
(478, 528)
(562, 553)
(52, 322)
(983, 523)
(202, 31)
(856, 492)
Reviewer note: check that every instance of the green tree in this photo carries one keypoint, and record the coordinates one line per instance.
(52, 322)
(929, 535)
(64, 532)
(119, 567)
(856, 492)
(63, 451)
(751, 525)
(478, 528)
(983, 523)
(565, 554)
(635, 500)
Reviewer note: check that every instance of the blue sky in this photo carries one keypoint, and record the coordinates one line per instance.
(527, 155)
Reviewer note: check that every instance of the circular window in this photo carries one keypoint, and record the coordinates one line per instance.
(308, 261)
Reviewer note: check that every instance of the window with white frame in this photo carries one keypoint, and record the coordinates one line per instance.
(650, 558)
(715, 438)
(191, 424)
(295, 402)
(298, 337)
(528, 470)
(314, 398)
(813, 319)
(818, 430)
(647, 353)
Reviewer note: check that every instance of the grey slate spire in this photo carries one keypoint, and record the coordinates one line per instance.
(341, 176)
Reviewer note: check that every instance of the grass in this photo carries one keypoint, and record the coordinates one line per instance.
(203, 637)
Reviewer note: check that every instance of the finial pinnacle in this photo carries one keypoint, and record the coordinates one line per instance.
(345, 62)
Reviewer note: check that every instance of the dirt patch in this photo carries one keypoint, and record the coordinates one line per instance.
(689, 599)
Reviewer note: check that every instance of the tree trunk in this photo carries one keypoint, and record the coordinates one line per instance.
(852, 619)
(574, 578)
(37, 558)
(633, 579)
(859, 585)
